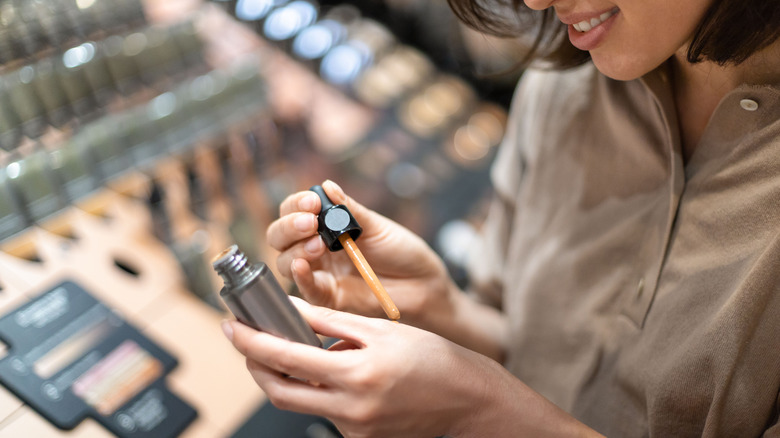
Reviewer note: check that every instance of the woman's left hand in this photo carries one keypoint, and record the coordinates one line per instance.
(381, 379)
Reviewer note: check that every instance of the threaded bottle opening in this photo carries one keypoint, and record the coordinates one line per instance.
(233, 266)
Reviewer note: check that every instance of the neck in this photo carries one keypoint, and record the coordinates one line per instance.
(698, 88)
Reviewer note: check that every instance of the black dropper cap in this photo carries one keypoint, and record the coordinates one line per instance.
(334, 220)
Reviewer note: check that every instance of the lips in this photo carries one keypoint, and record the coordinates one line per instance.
(587, 31)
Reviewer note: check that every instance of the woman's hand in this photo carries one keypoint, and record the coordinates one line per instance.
(385, 379)
(411, 272)
(381, 379)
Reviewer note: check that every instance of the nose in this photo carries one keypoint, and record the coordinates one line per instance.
(539, 4)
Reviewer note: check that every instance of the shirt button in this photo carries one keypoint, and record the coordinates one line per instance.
(748, 104)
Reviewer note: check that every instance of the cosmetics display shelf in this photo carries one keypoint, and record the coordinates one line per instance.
(32, 28)
(105, 133)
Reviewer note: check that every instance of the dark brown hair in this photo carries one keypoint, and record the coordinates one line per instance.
(730, 31)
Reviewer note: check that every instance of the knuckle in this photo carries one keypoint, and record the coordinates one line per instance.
(364, 379)
(283, 265)
(283, 361)
(252, 365)
(278, 397)
(271, 232)
(365, 414)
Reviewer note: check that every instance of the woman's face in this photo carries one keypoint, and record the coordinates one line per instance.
(628, 38)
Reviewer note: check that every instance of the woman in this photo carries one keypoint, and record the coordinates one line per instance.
(628, 278)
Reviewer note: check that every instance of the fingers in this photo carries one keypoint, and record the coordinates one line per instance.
(310, 249)
(298, 215)
(317, 289)
(342, 325)
(292, 394)
(283, 356)
(306, 201)
(291, 228)
(297, 220)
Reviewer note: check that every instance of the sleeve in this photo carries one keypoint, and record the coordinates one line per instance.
(541, 100)
(487, 259)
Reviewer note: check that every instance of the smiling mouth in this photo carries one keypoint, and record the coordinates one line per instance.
(586, 25)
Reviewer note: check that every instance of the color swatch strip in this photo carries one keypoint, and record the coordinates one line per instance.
(119, 376)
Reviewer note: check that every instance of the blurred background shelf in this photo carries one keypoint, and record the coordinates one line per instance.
(140, 138)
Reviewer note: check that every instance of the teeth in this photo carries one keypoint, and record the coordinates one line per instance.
(585, 25)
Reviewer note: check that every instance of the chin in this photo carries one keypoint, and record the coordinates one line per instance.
(622, 69)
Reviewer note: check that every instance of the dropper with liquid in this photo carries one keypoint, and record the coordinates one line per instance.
(339, 229)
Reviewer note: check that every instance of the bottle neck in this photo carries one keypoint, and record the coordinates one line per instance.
(234, 267)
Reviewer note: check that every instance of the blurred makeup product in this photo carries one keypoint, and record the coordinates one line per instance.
(339, 229)
(256, 299)
(48, 87)
(436, 106)
(313, 42)
(72, 171)
(8, 50)
(53, 22)
(336, 122)
(10, 126)
(76, 87)
(24, 101)
(163, 59)
(236, 179)
(188, 42)
(400, 72)
(12, 218)
(255, 12)
(118, 56)
(27, 30)
(77, 15)
(471, 143)
(89, 57)
(285, 22)
(368, 41)
(37, 186)
(192, 241)
(104, 153)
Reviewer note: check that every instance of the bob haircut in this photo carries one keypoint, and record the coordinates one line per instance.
(729, 33)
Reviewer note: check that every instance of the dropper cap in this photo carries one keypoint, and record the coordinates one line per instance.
(334, 220)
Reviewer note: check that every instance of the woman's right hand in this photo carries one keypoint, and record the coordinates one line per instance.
(411, 272)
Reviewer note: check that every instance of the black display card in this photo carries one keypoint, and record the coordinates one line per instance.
(69, 356)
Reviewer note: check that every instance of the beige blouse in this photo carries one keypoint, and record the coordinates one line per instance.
(642, 293)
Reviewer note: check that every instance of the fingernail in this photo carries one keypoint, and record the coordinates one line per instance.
(227, 329)
(339, 191)
(294, 267)
(299, 301)
(313, 245)
(304, 222)
(293, 270)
